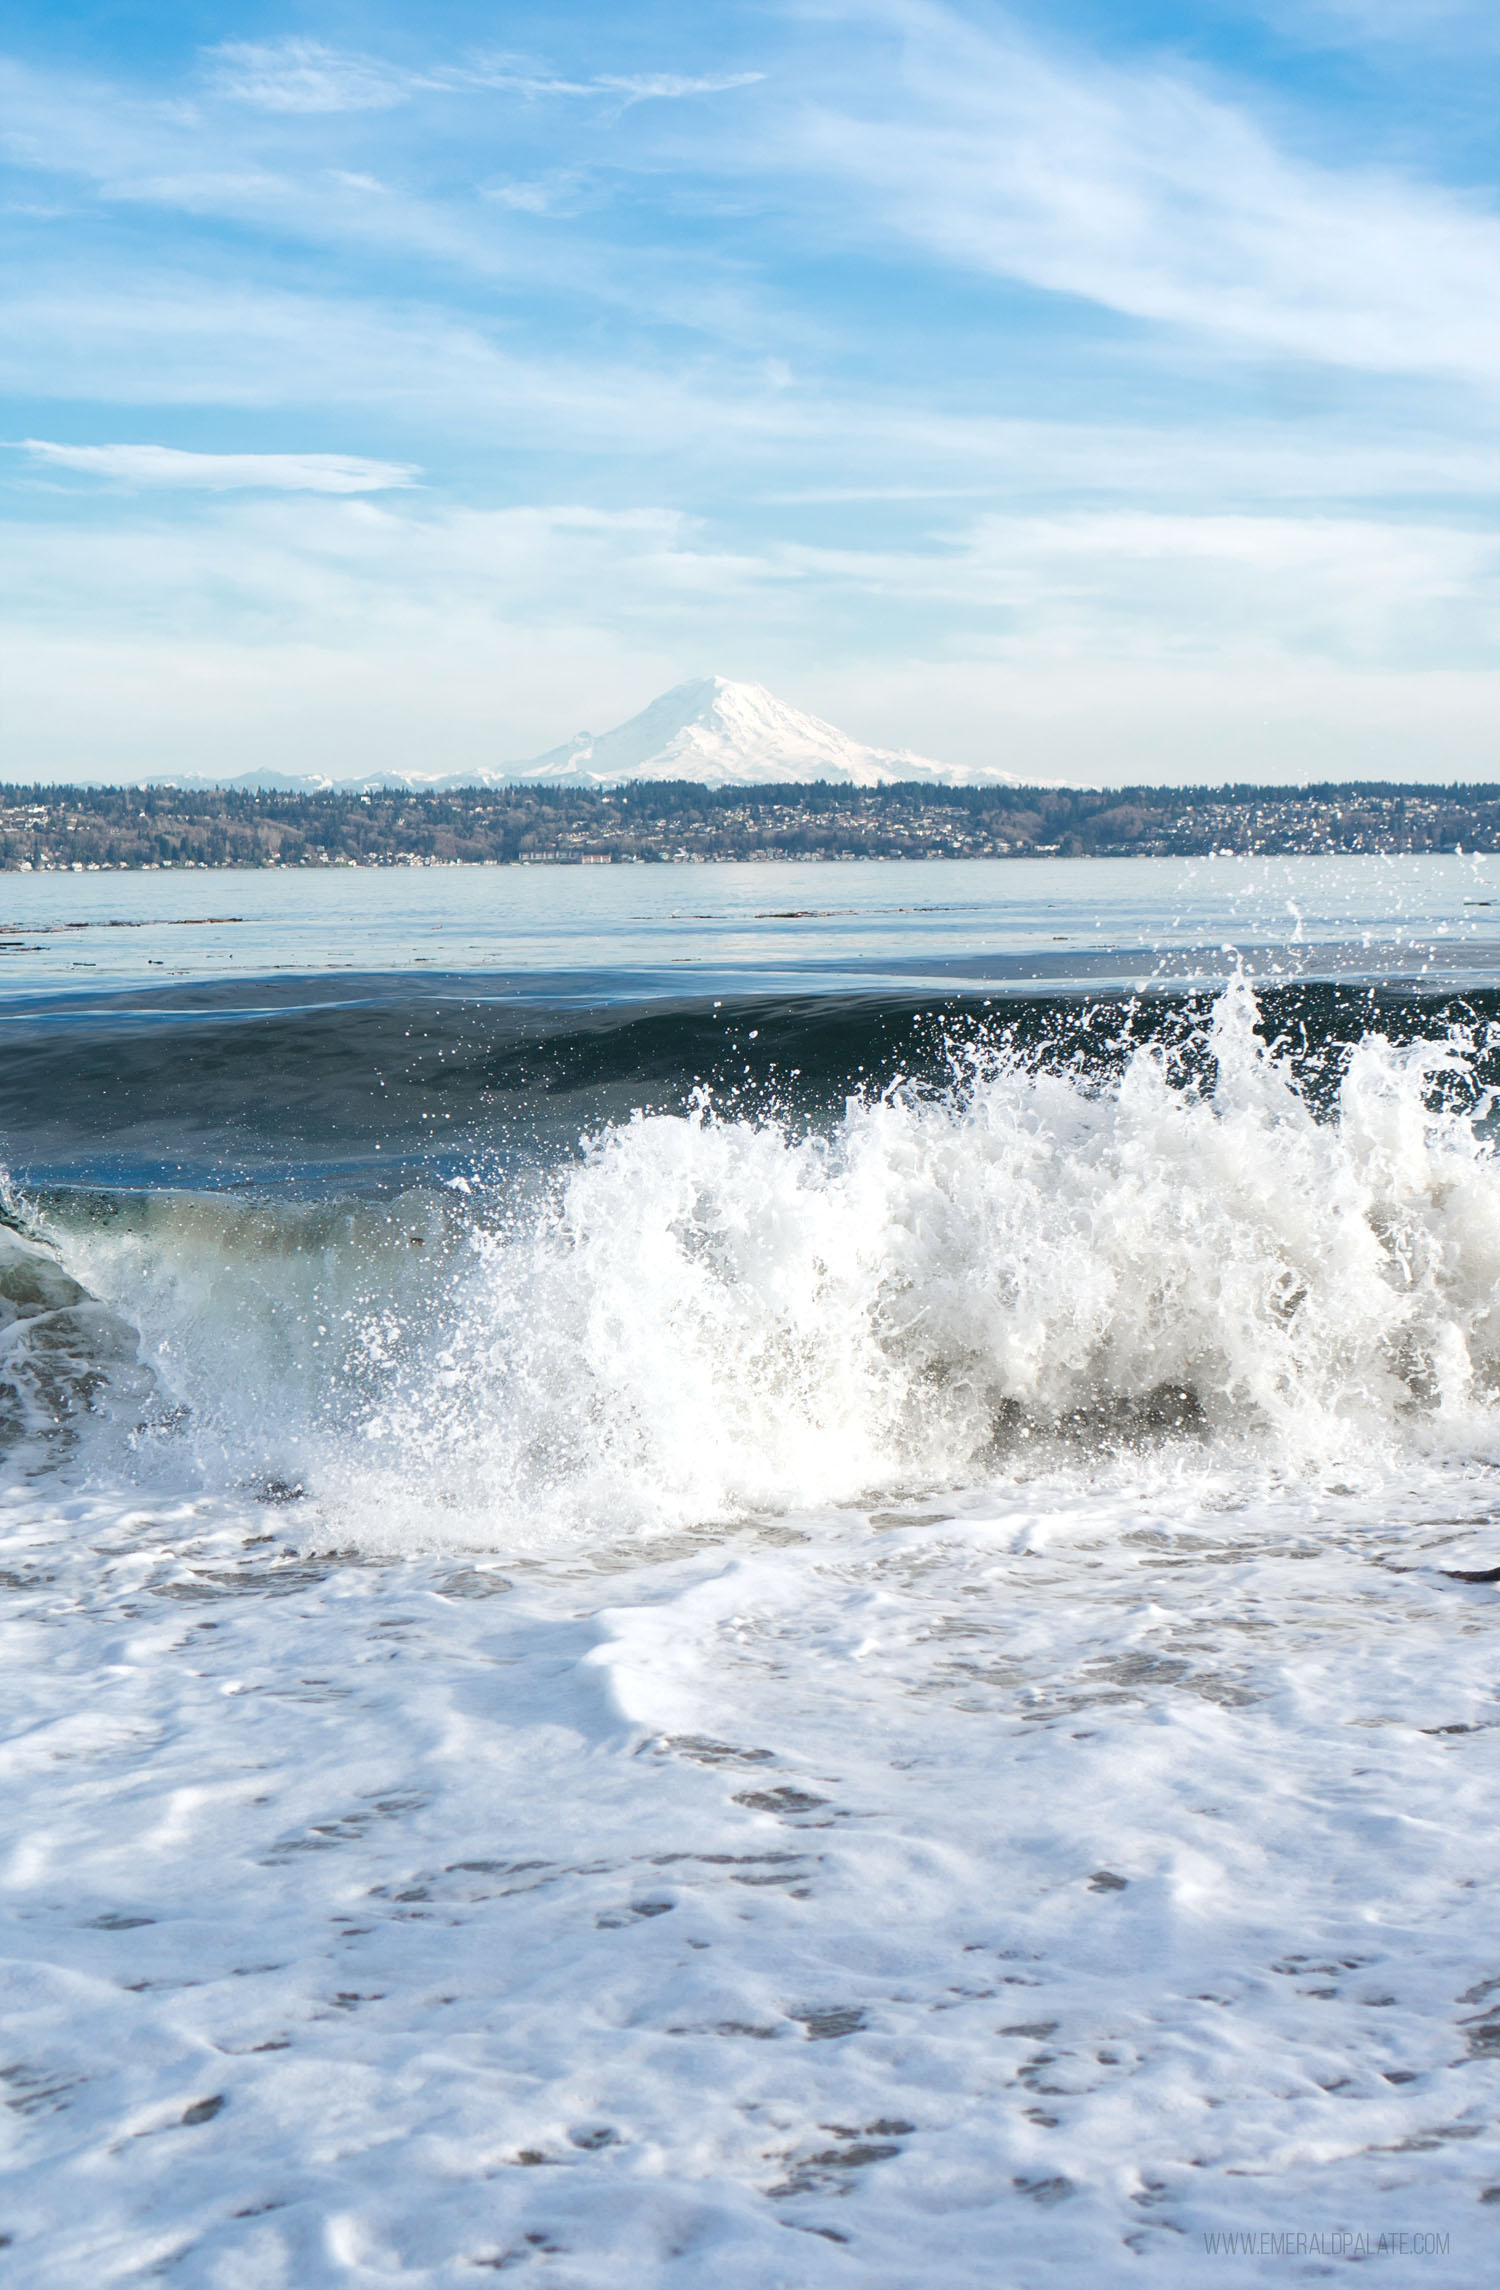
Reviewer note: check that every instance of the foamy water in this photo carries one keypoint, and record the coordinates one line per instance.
(706, 1316)
(876, 1681)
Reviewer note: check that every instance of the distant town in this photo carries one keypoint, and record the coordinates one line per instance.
(51, 829)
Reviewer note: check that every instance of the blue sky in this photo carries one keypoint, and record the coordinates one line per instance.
(1102, 391)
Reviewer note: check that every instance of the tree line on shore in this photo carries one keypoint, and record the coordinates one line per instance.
(50, 828)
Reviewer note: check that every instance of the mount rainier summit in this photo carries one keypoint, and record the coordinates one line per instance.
(718, 733)
(710, 731)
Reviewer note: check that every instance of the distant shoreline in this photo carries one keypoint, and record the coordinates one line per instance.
(70, 829)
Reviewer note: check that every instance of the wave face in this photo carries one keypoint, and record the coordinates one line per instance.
(1206, 1259)
(67, 1363)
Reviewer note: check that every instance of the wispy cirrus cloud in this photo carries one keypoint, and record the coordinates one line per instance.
(1151, 193)
(169, 467)
(622, 87)
(1228, 451)
(672, 87)
(1109, 588)
(305, 76)
(409, 191)
(182, 340)
(298, 75)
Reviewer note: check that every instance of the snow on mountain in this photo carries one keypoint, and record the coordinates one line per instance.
(711, 730)
(719, 733)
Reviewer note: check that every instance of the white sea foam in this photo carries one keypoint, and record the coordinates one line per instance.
(1049, 1875)
(1046, 1885)
(707, 1316)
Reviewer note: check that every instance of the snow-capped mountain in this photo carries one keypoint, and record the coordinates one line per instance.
(712, 731)
(718, 733)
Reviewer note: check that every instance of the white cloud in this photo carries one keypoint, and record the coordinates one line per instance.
(187, 340)
(166, 465)
(1107, 645)
(1146, 192)
(308, 184)
(298, 75)
(558, 193)
(627, 88)
(1118, 723)
(1095, 588)
(671, 87)
(1142, 189)
(304, 76)
(1366, 592)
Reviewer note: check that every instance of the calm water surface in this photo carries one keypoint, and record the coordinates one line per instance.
(739, 926)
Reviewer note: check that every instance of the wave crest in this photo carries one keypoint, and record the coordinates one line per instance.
(706, 1315)
(718, 1315)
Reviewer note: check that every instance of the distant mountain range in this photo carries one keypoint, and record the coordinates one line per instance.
(712, 731)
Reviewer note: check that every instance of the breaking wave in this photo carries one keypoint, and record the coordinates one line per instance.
(705, 1314)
